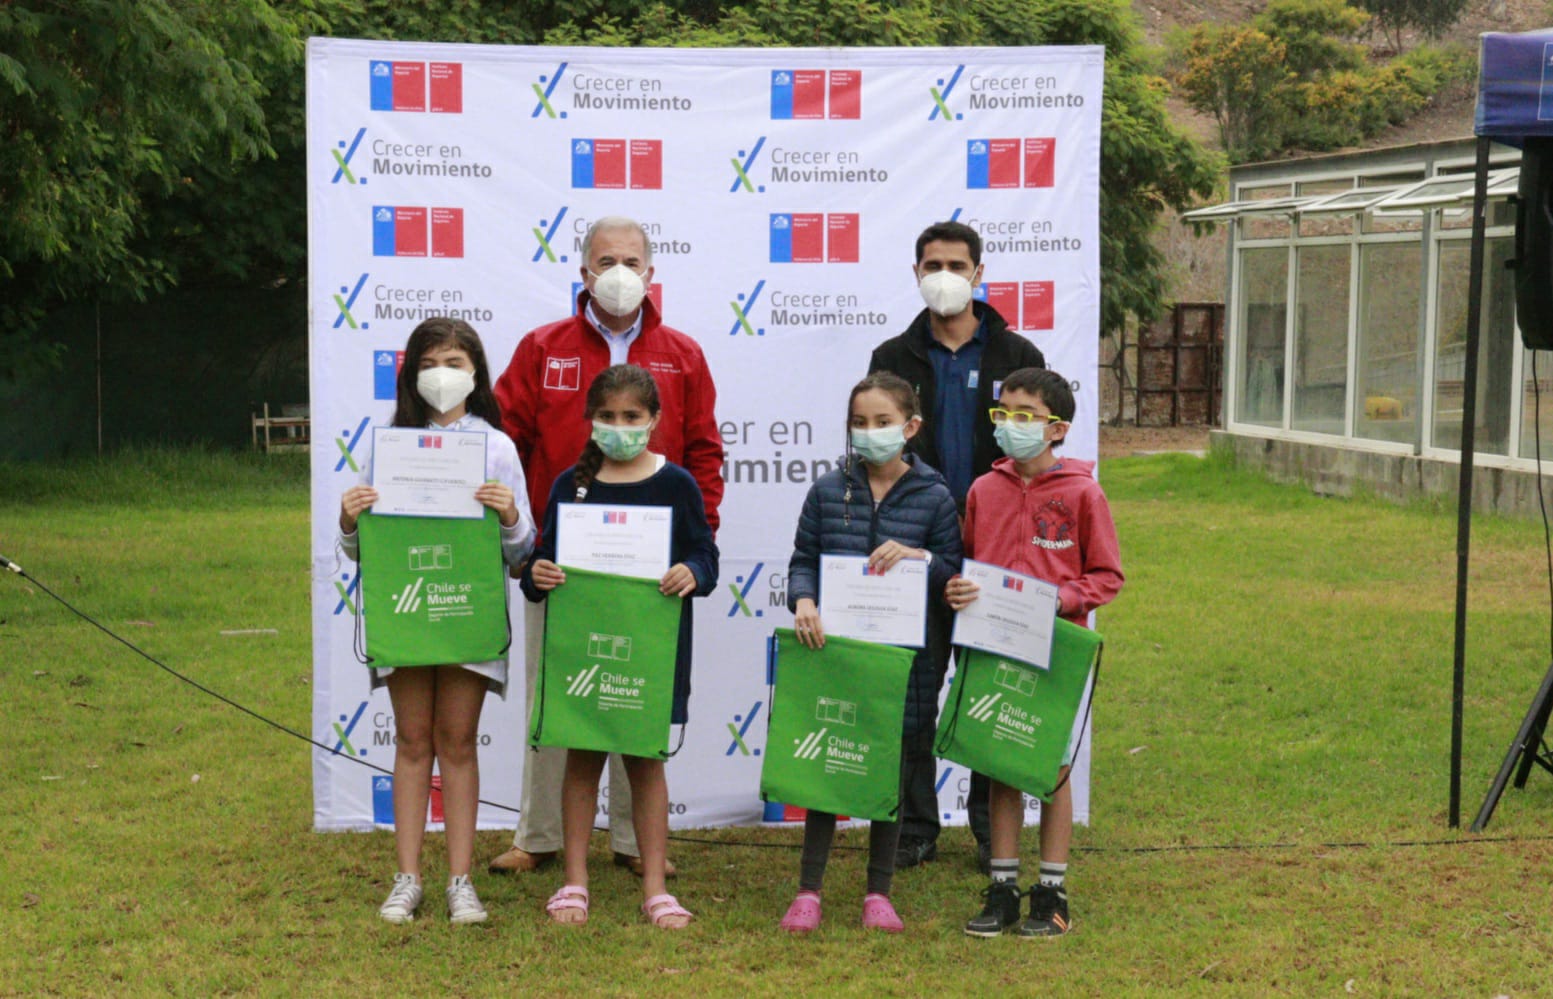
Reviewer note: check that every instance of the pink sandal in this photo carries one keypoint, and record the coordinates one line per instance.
(662, 907)
(879, 914)
(803, 916)
(568, 898)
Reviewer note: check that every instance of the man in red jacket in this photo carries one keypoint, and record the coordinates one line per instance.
(542, 395)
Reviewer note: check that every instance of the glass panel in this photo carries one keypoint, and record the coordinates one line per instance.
(1392, 179)
(1326, 224)
(1533, 394)
(1390, 290)
(1435, 191)
(1500, 212)
(1496, 348)
(1264, 286)
(1350, 201)
(1325, 187)
(1399, 222)
(1321, 339)
(1265, 227)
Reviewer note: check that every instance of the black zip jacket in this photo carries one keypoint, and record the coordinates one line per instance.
(1004, 353)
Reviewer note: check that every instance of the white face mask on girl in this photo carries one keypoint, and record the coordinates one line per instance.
(619, 290)
(444, 388)
(946, 293)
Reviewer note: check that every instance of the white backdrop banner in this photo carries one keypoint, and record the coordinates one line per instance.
(783, 191)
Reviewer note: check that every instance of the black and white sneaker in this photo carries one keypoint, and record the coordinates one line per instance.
(1000, 912)
(1048, 913)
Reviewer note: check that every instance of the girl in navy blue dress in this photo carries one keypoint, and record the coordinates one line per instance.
(617, 469)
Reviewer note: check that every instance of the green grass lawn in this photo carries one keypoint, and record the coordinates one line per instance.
(1276, 688)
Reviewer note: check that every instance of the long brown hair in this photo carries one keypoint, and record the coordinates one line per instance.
(410, 410)
(616, 378)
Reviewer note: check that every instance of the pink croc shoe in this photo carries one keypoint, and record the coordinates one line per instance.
(803, 916)
(879, 914)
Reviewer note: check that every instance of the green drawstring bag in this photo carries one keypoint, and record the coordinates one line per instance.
(1012, 721)
(433, 591)
(833, 740)
(607, 679)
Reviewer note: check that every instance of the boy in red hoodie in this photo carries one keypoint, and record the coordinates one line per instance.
(1046, 517)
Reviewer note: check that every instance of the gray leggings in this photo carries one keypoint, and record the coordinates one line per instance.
(819, 830)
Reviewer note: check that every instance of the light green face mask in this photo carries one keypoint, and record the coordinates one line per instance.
(1021, 442)
(879, 446)
(620, 443)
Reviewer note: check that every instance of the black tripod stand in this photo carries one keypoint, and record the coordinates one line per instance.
(1527, 749)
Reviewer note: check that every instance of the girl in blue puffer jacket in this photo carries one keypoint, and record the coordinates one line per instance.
(887, 505)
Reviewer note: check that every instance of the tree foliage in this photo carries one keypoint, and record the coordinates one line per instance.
(1316, 35)
(107, 108)
(1240, 75)
(1430, 18)
(1294, 78)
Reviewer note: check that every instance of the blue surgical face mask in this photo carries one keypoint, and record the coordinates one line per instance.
(621, 443)
(879, 446)
(1021, 442)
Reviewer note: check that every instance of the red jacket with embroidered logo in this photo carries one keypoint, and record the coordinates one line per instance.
(1057, 528)
(543, 396)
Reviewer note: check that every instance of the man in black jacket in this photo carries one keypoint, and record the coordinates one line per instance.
(956, 354)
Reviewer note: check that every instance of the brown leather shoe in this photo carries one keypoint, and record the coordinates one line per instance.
(635, 865)
(518, 861)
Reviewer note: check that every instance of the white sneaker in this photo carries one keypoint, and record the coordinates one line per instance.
(463, 904)
(403, 900)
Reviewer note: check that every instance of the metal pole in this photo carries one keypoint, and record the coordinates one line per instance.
(1469, 393)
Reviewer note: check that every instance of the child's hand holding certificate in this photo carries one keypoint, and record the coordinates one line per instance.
(1012, 614)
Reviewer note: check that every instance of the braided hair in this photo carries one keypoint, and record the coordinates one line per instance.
(905, 398)
(616, 378)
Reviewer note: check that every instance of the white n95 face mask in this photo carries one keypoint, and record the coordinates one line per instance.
(444, 388)
(946, 293)
(619, 290)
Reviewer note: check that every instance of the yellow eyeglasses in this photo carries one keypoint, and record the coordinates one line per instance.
(1018, 417)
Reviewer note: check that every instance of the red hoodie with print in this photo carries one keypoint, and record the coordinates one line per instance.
(1057, 527)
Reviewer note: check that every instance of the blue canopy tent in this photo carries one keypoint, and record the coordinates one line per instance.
(1515, 87)
(1514, 107)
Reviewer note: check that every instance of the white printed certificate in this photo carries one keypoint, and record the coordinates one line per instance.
(427, 473)
(1012, 616)
(621, 540)
(857, 603)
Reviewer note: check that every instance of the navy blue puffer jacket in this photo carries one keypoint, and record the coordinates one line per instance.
(917, 511)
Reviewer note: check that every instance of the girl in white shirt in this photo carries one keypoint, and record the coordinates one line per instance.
(445, 384)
